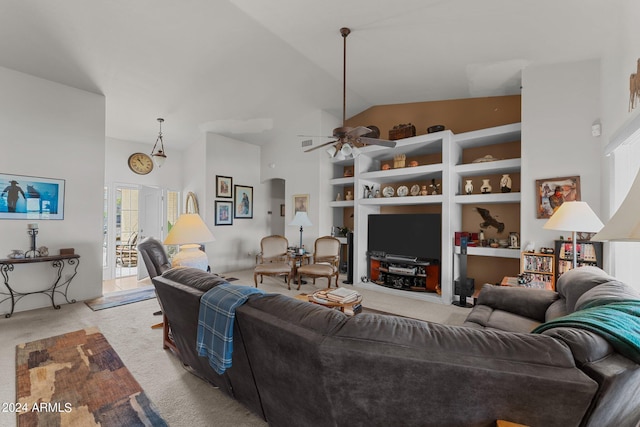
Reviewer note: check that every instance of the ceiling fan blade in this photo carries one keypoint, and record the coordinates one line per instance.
(314, 136)
(359, 131)
(320, 146)
(374, 141)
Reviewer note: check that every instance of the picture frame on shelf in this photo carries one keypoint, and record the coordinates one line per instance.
(30, 197)
(224, 186)
(552, 192)
(300, 203)
(224, 209)
(243, 197)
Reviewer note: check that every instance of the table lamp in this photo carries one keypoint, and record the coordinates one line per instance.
(574, 216)
(624, 225)
(302, 220)
(189, 232)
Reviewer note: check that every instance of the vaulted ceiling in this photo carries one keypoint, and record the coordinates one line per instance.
(242, 68)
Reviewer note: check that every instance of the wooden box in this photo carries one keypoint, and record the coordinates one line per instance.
(402, 131)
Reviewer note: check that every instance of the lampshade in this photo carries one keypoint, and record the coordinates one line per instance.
(301, 219)
(346, 150)
(331, 151)
(189, 228)
(625, 223)
(574, 216)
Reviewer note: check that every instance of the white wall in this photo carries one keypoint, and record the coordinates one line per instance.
(560, 102)
(236, 245)
(51, 130)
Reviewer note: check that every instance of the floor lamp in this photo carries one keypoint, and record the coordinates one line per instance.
(574, 216)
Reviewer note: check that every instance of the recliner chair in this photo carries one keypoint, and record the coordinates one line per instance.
(154, 256)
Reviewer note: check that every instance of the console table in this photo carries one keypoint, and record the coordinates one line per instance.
(60, 285)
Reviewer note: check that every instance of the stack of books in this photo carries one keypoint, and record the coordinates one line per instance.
(342, 295)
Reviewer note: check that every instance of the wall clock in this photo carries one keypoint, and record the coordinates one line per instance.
(140, 163)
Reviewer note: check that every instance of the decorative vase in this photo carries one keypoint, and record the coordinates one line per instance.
(349, 196)
(190, 255)
(468, 187)
(505, 183)
(338, 197)
(486, 187)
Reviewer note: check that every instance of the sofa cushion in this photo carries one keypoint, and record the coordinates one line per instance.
(555, 310)
(525, 302)
(586, 346)
(487, 317)
(576, 282)
(193, 277)
(610, 292)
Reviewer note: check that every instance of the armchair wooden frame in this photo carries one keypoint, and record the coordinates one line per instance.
(273, 259)
(326, 259)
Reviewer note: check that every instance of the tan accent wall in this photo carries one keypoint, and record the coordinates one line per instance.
(457, 115)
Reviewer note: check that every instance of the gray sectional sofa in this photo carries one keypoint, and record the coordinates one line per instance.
(296, 363)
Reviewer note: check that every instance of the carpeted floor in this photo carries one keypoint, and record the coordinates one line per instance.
(181, 398)
(77, 379)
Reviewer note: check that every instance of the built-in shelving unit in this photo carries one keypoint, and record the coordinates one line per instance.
(440, 158)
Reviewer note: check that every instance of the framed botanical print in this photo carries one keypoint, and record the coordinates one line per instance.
(552, 192)
(224, 212)
(300, 203)
(224, 185)
(243, 198)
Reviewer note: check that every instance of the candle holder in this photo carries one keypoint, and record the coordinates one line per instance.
(33, 253)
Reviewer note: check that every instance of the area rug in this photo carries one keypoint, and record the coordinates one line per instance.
(77, 379)
(115, 299)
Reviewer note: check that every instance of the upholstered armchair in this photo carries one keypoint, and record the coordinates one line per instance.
(326, 258)
(273, 259)
(154, 256)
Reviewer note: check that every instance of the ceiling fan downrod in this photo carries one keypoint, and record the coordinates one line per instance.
(345, 32)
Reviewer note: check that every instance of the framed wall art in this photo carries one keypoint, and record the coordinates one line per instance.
(29, 197)
(224, 185)
(243, 201)
(300, 203)
(224, 212)
(553, 192)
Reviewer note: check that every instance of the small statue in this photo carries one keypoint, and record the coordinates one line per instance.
(43, 251)
(423, 191)
(505, 183)
(349, 196)
(338, 197)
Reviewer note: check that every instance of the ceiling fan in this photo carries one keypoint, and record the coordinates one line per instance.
(349, 140)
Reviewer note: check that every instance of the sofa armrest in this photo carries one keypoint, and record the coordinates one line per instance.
(531, 303)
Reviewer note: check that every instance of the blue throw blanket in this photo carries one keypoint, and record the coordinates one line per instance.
(618, 322)
(215, 323)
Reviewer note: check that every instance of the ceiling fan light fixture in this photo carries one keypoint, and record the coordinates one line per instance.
(346, 150)
(339, 155)
(158, 155)
(355, 151)
(331, 151)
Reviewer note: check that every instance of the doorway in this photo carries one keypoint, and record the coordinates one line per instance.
(278, 206)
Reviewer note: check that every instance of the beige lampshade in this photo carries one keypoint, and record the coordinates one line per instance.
(624, 226)
(189, 228)
(574, 216)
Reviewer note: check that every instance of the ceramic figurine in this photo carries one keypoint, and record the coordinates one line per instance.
(338, 197)
(468, 187)
(423, 191)
(486, 187)
(505, 183)
(349, 196)
(43, 250)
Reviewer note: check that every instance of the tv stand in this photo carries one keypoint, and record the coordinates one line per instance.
(405, 272)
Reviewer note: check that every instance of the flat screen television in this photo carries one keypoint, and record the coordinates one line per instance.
(410, 235)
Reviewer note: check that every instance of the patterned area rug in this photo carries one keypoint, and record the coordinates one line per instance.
(115, 299)
(77, 379)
